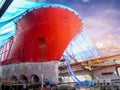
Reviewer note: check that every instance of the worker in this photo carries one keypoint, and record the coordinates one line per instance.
(47, 84)
(24, 87)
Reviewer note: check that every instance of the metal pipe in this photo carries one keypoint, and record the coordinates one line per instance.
(4, 7)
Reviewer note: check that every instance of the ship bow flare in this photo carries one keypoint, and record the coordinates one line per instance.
(43, 34)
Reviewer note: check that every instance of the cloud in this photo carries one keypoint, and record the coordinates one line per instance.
(108, 47)
(88, 25)
(118, 28)
(111, 11)
(85, 1)
(112, 37)
(97, 27)
(99, 44)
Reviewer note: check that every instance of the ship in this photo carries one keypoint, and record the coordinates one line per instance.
(33, 52)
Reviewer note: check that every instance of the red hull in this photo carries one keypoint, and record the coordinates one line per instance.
(43, 34)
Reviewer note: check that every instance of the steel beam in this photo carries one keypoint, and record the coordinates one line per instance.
(5, 6)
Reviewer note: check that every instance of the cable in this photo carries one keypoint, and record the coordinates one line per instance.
(74, 77)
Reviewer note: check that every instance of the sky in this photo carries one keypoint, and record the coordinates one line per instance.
(101, 20)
